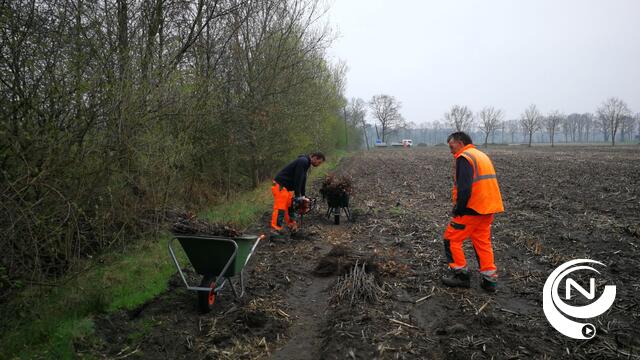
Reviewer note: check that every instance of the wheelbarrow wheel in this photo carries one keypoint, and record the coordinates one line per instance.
(336, 219)
(206, 300)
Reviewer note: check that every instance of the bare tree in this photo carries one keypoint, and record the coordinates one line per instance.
(552, 123)
(530, 121)
(490, 119)
(602, 125)
(570, 125)
(580, 124)
(512, 127)
(438, 128)
(357, 111)
(610, 114)
(587, 119)
(386, 109)
(627, 126)
(460, 118)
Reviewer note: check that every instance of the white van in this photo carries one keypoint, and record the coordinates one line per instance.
(407, 142)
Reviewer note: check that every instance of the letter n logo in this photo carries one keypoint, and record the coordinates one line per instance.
(572, 283)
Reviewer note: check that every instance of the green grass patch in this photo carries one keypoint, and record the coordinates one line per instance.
(243, 209)
(397, 211)
(44, 322)
(139, 276)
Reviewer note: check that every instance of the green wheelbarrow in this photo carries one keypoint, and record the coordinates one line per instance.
(217, 259)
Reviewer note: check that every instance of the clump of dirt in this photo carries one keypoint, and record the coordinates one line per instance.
(253, 319)
(330, 266)
(394, 268)
(305, 234)
(248, 321)
(339, 251)
(186, 223)
(340, 260)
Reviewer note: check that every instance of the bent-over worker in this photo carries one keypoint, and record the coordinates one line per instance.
(289, 184)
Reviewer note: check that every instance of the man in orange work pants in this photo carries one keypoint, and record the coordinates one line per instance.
(288, 185)
(282, 209)
(476, 198)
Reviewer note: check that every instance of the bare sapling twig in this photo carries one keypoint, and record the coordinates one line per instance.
(357, 286)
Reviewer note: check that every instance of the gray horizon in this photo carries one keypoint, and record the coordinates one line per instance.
(568, 56)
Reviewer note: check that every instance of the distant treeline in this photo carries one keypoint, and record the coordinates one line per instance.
(612, 122)
(115, 110)
(575, 128)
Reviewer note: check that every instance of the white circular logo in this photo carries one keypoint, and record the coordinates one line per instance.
(557, 310)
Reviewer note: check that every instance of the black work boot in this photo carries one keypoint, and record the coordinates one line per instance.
(277, 236)
(489, 284)
(457, 278)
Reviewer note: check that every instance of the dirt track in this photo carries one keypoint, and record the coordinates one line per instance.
(561, 204)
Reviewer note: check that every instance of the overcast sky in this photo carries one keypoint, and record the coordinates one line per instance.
(567, 55)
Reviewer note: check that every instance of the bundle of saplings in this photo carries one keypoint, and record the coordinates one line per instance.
(336, 188)
(186, 223)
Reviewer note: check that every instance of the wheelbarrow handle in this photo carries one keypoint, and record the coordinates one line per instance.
(261, 237)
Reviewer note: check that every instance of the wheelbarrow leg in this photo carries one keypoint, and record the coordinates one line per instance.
(242, 288)
(242, 283)
(347, 212)
(233, 287)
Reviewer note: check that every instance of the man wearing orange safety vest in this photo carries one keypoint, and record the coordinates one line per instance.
(289, 184)
(476, 197)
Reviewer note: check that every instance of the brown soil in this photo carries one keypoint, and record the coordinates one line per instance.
(561, 203)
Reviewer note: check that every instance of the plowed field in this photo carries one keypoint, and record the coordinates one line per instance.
(561, 203)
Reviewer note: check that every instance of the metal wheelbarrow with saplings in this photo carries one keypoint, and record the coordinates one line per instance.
(218, 259)
(336, 189)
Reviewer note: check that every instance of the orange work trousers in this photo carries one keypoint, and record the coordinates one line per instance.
(282, 207)
(478, 228)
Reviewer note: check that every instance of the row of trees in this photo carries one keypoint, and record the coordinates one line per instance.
(612, 120)
(115, 110)
(611, 117)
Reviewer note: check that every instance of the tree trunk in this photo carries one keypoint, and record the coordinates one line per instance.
(255, 179)
(366, 138)
(123, 39)
(346, 129)
(613, 139)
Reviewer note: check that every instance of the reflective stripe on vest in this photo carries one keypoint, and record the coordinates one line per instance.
(474, 162)
(485, 192)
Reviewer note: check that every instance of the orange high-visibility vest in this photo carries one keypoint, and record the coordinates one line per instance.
(485, 192)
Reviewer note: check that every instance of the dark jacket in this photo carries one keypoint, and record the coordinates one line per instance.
(464, 179)
(294, 176)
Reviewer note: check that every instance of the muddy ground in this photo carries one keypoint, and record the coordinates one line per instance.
(561, 203)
